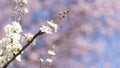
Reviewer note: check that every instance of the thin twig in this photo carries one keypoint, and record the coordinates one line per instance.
(40, 64)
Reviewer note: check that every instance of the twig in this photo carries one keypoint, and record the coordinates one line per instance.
(40, 64)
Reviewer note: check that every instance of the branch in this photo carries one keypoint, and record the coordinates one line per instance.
(61, 16)
(24, 47)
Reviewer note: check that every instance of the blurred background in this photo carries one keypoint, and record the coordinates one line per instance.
(88, 38)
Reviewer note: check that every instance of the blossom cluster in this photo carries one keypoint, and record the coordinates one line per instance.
(49, 60)
(49, 28)
(11, 44)
(51, 53)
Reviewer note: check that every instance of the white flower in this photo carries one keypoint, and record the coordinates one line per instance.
(8, 29)
(2, 61)
(9, 55)
(27, 37)
(53, 25)
(18, 58)
(15, 36)
(16, 48)
(14, 28)
(49, 60)
(17, 27)
(1, 51)
(26, 10)
(25, 1)
(46, 29)
(51, 52)
(5, 42)
(9, 48)
(41, 60)
(34, 42)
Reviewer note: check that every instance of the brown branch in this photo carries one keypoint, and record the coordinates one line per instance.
(61, 16)
(34, 37)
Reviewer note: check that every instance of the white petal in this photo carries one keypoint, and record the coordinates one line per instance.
(18, 57)
(46, 29)
(51, 52)
(49, 60)
(53, 25)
